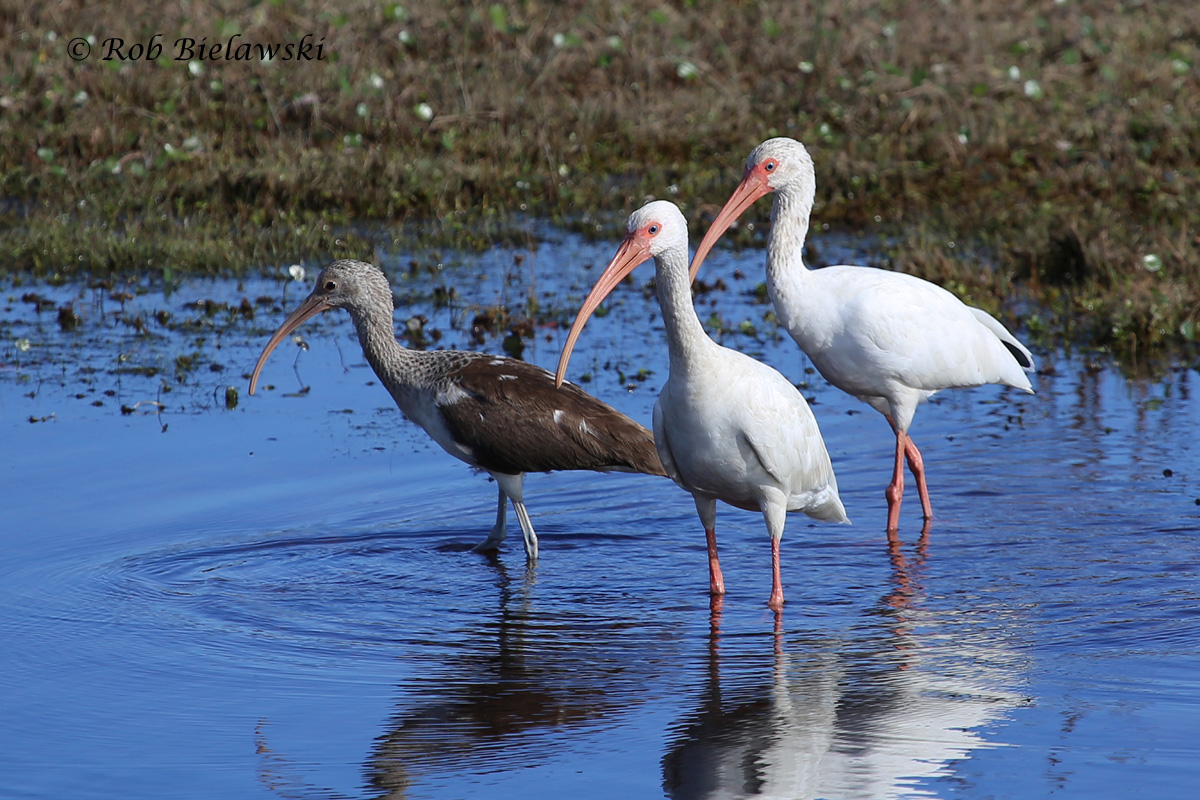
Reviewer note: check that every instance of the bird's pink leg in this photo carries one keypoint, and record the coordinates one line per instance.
(716, 581)
(895, 490)
(706, 507)
(917, 465)
(776, 601)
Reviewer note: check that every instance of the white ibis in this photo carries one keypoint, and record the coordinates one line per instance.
(726, 427)
(496, 414)
(891, 340)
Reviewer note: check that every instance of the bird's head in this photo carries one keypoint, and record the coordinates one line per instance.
(651, 230)
(777, 164)
(780, 164)
(654, 228)
(351, 285)
(356, 286)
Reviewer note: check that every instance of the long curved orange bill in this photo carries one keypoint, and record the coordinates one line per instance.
(753, 186)
(633, 251)
(312, 305)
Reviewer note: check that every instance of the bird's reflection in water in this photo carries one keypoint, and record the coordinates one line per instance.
(871, 715)
(502, 699)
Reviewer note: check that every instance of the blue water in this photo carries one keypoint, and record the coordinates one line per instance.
(280, 600)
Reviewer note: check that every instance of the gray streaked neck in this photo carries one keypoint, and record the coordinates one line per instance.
(392, 362)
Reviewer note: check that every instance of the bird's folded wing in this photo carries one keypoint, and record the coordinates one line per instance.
(517, 421)
(782, 433)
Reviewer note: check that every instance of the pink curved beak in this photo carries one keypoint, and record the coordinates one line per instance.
(633, 251)
(312, 305)
(753, 186)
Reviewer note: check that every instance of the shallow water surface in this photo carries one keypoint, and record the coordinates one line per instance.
(280, 599)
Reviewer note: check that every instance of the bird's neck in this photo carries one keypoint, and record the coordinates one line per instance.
(790, 212)
(685, 334)
(392, 362)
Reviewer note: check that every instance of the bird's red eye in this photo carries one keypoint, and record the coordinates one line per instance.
(769, 166)
(653, 229)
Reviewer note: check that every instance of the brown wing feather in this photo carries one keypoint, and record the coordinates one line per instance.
(514, 420)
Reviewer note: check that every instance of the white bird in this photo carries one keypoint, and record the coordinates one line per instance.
(496, 414)
(726, 426)
(891, 340)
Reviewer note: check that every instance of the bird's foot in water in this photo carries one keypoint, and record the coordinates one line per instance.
(491, 544)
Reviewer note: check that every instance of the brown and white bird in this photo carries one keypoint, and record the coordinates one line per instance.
(727, 427)
(890, 339)
(496, 414)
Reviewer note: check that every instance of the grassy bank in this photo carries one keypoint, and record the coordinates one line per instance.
(1053, 140)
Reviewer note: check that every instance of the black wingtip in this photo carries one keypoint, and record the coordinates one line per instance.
(1020, 355)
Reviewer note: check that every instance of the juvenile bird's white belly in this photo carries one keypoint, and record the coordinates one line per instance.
(422, 408)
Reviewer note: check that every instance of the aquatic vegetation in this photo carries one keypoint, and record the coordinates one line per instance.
(1042, 140)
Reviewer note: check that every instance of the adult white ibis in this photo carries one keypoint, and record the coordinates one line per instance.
(726, 426)
(496, 414)
(890, 339)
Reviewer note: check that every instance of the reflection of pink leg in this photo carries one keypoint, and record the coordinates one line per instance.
(715, 604)
(917, 465)
(895, 490)
(923, 542)
(776, 601)
(716, 581)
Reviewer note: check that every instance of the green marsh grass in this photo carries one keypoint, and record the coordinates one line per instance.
(1053, 143)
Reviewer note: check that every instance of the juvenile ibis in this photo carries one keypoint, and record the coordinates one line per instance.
(497, 414)
(726, 427)
(891, 340)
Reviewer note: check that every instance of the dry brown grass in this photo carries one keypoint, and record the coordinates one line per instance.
(1057, 138)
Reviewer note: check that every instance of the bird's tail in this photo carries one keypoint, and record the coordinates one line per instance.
(1019, 352)
(645, 458)
(632, 448)
(827, 506)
